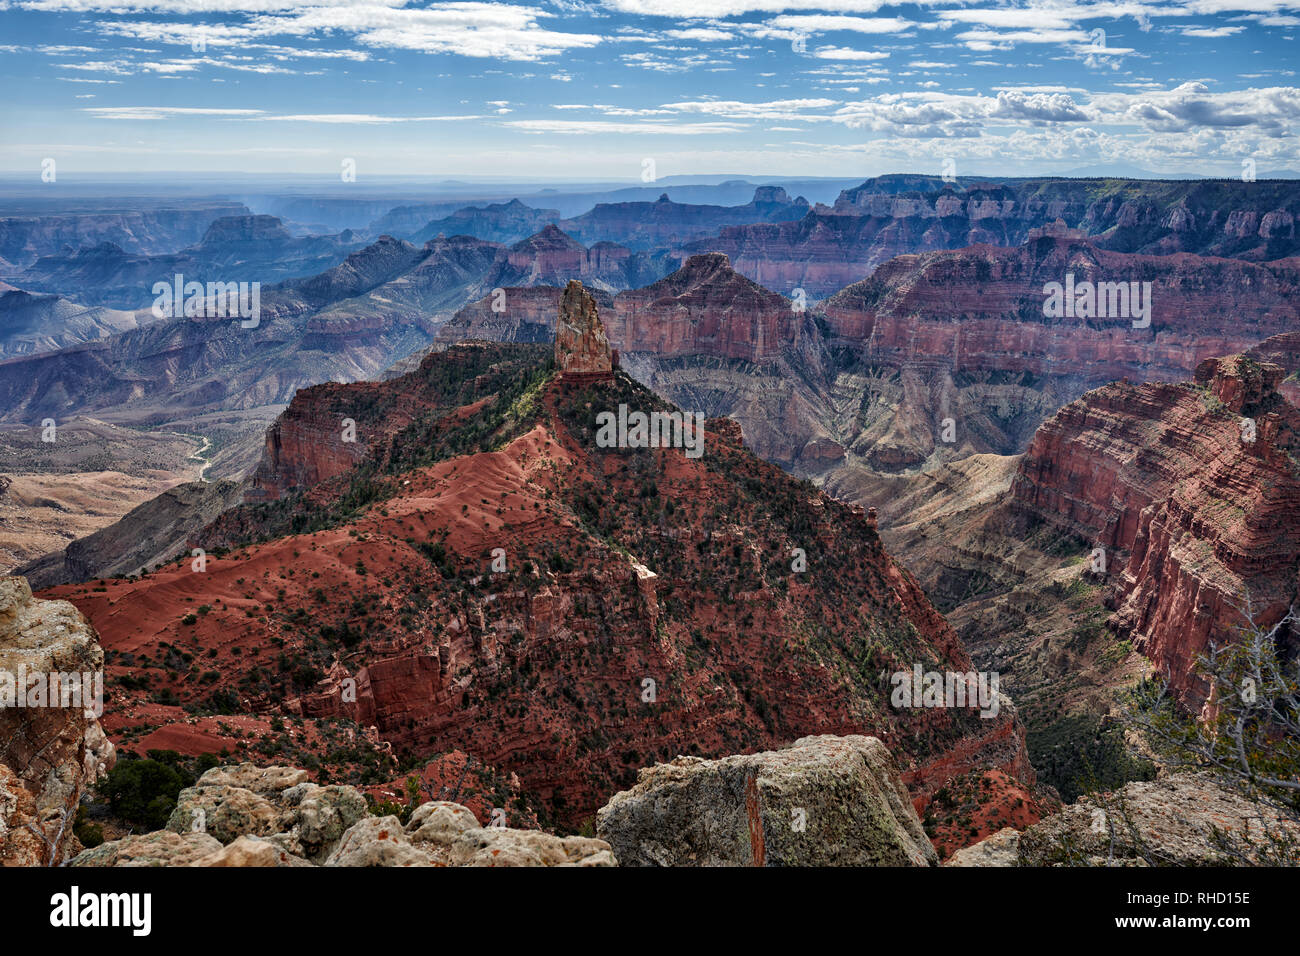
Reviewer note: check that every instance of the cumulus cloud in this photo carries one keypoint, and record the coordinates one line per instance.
(1194, 105)
(1037, 108)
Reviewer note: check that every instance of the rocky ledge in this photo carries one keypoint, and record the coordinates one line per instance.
(51, 750)
(274, 816)
(821, 801)
(1181, 820)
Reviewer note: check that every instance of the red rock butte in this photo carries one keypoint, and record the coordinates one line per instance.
(582, 352)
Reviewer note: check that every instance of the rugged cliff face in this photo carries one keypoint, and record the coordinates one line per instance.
(233, 248)
(51, 746)
(643, 602)
(962, 337)
(706, 308)
(582, 352)
(982, 309)
(832, 247)
(1192, 490)
(499, 222)
(43, 323)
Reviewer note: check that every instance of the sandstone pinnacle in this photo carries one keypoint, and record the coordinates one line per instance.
(582, 350)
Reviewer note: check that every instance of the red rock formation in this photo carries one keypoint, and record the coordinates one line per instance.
(582, 351)
(1194, 492)
(542, 669)
(705, 308)
(981, 309)
(305, 446)
(900, 215)
(552, 257)
(515, 314)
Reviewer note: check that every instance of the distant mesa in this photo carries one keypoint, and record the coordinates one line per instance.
(1056, 230)
(582, 351)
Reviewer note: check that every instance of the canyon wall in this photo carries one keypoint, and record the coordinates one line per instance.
(1192, 490)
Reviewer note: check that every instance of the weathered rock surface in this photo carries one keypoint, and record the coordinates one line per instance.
(160, 848)
(705, 308)
(50, 753)
(821, 801)
(1166, 822)
(582, 351)
(273, 816)
(276, 804)
(1001, 849)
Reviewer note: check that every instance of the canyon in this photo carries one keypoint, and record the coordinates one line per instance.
(416, 554)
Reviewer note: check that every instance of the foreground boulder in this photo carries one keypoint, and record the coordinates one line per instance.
(822, 801)
(1167, 822)
(51, 745)
(274, 816)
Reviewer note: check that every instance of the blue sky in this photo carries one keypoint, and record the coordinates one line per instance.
(567, 89)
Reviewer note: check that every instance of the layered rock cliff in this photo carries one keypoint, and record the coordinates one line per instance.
(1192, 491)
(147, 231)
(706, 308)
(982, 309)
(832, 247)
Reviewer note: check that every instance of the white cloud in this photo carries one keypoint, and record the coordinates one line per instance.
(823, 23)
(162, 112)
(1210, 32)
(844, 53)
(705, 34)
(473, 29)
(362, 119)
(609, 127)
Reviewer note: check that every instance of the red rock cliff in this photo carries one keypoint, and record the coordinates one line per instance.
(1194, 492)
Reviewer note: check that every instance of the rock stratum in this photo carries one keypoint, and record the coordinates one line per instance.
(834, 246)
(1192, 489)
